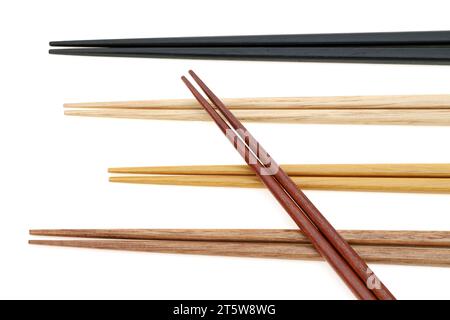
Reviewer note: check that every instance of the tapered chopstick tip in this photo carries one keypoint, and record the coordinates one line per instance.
(40, 232)
(32, 232)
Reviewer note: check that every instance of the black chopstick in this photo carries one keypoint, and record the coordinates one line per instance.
(336, 39)
(435, 55)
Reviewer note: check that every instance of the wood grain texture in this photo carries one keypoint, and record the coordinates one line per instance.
(340, 102)
(437, 170)
(355, 237)
(430, 117)
(406, 185)
(374, 254)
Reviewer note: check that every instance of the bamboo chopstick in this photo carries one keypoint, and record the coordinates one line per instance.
(375, 254)
(344, 260)
(357, 237)
(407, 170)
(430, 117)
(420, 178)
(406, 185)
(339, 102)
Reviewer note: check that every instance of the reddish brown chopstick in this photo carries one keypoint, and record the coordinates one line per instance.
(353, 281)
(350, 255)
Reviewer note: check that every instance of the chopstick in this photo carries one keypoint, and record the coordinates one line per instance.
(438, 55)
(420, 178)
(421, 256)
(407, 170)
(425, 248)
(403, 185)
(340, 102)
(352, 268)
(429, 117)
(387, 110)
(333, 39)
(356, 237)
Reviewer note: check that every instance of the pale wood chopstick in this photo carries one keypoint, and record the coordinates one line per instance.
(340, 102)
(358, 237)
(376, 254)
(407, 185)
(428, 117)
(413, 170)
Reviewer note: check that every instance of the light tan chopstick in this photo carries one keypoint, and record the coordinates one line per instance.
(437, 170)
(377, 254)
(428, 117)
(413, 185)
(342, 102)
(357, 237)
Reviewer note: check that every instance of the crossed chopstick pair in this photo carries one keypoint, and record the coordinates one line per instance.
(338, 253)
(325, 239)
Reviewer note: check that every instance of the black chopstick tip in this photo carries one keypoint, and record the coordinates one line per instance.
(59, 44)
(69, 52)
(63, 43)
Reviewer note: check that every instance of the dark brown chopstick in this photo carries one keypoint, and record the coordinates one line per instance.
(419, 256)
(353, 281)
(357, 237)
(307, 207)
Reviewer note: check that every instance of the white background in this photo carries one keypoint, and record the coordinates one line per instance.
(54, 167)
